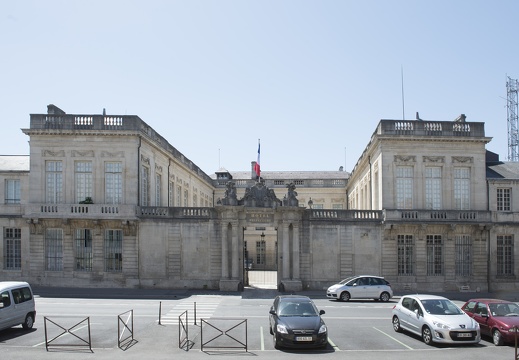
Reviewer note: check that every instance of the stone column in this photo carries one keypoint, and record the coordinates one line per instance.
(286, 251)
(225, 252)
(295, 252)
(235, 251)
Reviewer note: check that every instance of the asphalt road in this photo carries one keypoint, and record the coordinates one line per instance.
(236, 323)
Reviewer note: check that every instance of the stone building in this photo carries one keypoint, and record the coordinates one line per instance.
(105, 201)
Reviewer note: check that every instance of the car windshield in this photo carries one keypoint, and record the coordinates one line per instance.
(504, 309)
(441, 307)
(297, 309)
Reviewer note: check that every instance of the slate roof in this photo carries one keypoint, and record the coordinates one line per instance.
(289, 175)
(503, 170)
(14, 163)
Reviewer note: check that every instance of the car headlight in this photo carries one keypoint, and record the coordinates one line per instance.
(322, 329)
(441, 325)
(281, 329)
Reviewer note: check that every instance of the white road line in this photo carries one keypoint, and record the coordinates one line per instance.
(335, 347)
(389, 336)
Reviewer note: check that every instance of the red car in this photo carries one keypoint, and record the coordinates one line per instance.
(498, 319)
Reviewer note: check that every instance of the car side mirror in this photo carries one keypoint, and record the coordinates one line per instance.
(485, 315)
(272, 312)
(322, 312)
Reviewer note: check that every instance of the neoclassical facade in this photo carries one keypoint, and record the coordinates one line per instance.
(105, 201)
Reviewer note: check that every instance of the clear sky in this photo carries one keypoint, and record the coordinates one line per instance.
(311, 79)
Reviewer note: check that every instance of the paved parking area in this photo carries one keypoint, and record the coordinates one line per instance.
(357, 329)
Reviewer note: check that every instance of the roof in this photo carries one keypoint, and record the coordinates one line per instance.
(14, 163)
(425, 297)
(503, 170)
(490, 301)
(284, 175)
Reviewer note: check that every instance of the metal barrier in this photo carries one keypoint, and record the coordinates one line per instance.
(127, 325)
(221, 338)
(183, 332)
(71, 331)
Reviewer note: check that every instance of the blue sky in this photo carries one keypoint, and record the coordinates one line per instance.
(311, 79)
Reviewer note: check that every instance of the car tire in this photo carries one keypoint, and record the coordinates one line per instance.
(396, 324)
(427, 335)
(384, 297)
(28, 323)
(345, 296)
(497, 338)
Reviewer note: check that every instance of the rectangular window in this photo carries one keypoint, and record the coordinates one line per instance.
(113, 250)
(12, 249)
(12, 191)
(113, 182)
(336, 206)
(405, 254)
(158, 189)
(54, 182)
(54, 249)
(434, 255)
(260, 252)
(186, 196)
(404, 187)
(503, 199)
(83, 249)
(83, 177)
(463, 249)
(145, 189)
(505, 255)
(462, 188)
(433, 188)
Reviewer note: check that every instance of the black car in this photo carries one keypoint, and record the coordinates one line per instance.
(295, 322)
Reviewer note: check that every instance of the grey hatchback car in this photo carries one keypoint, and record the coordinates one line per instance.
(361, 287)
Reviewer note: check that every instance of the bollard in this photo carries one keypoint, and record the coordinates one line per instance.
(195, 312)
(160, 312)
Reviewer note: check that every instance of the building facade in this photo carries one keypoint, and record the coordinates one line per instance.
(105, 201)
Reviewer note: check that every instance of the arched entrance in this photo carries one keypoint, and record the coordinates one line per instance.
(260, 254)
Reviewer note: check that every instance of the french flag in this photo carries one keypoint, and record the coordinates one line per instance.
(257, 165)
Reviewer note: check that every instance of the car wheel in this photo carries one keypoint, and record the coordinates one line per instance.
(427, 335)
(396, 324)
(345, 296)
(497, 338)
(384, 297)
(28, 323)
(275, 341)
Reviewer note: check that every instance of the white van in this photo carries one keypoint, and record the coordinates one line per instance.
(16, 305)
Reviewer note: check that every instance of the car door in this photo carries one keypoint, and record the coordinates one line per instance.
(360, 288)
(481, 315)
(415, 317)
(7, 311)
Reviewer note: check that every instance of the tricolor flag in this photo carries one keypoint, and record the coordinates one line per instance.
(257, 166)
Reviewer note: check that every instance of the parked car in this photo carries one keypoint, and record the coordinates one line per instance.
(361, 287)
(16, 305)
(435, 319)
(295, 322)
(497, 318)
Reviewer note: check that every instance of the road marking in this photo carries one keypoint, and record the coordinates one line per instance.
(335, 347)
(389, 336)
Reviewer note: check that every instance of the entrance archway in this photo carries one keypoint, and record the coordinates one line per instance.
(260, 253)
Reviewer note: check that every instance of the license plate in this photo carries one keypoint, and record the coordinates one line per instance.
(303, 338)
(464, 335)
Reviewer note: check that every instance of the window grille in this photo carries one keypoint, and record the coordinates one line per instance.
(434, 255)
(83, 252)
(54, 249)
(12, 249)
(505, 255)
(113, 250)
(463, 249)
(405, 254)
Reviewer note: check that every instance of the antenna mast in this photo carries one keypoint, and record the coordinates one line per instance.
(513, 123)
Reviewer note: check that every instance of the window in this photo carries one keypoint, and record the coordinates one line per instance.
(186, 195)
(195, 200)
(113, 250)
(83, 175)
(463, 249)
(434, 255)
(317, 206)
(433, 188)
(462, 188)
(260, 252)
(83, 250)
(405, 254)
(179, 194)
(145, 190)
(113, 182)
(158, 189)
(503, 199)
(404, 187)
(12, 191)
(505, 255)
(54, 182)
(12, 249)
(54, 249)
(336, 206)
